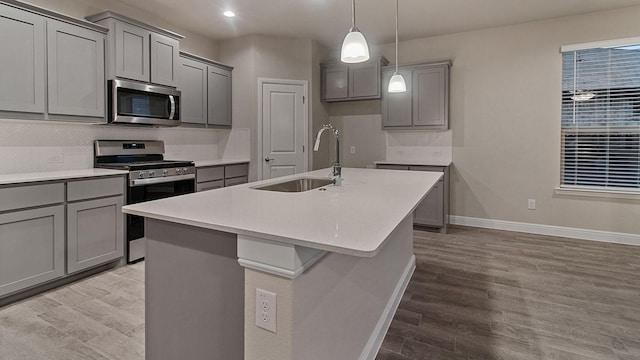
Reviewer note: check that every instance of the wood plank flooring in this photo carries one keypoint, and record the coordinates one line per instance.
(476, 294)
(484, 294)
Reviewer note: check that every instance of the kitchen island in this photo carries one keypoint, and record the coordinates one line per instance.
(338, 259)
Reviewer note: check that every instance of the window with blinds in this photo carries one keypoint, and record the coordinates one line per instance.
(601, 118)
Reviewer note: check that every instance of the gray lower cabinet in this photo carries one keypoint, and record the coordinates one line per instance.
(348, 82)
(76, 81)
(206, 91)
(31, 248)
(94, 233)
(215, 177)
(425, 104)
(433, 211)
(22, 61)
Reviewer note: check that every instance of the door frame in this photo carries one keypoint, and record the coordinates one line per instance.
(305, 111)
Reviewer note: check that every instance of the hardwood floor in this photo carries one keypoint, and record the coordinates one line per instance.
(476, 294)
(483, 294)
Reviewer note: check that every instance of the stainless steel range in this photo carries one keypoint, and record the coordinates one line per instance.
(150, 178)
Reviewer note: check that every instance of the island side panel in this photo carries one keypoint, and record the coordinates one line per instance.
(194, 294)
(340, 308)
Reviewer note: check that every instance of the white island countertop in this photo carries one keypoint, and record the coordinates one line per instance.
(355, 218)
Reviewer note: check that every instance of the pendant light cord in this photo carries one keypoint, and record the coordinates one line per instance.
(397, 36)
(353, 14)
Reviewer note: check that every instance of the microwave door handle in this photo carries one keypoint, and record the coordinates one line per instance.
(172, 111)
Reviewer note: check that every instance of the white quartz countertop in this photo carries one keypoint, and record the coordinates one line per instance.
(355, 218)
(57, 175)
(414, 162)
(218, 162)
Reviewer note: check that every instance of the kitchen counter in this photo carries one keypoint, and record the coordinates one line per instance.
(218, 162)
(414, 162)
(336, 261)
(22, 178)
(353, 219)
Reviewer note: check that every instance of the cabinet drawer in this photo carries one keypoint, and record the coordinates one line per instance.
(94, 188)
(392, 167)
(21, 197)
(236, 181)
(209, 185)
(233, 171)
(427, 168)
(210, 173)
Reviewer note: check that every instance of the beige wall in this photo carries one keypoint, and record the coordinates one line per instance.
(255, 57)
(505, 119)
(193, 43)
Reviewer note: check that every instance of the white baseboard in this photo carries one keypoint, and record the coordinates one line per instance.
(560, 231)
(372, 347)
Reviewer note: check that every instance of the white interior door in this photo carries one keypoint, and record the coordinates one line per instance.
(283, 129)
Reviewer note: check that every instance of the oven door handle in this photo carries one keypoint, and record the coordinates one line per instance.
(172, 111)
(160, 180)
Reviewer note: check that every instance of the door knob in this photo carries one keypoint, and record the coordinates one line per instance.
(267, 159)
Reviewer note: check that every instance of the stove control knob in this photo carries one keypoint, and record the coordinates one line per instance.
(141, 174)
(165, 172)
(178, 171)
(152, 173)
(185, 170)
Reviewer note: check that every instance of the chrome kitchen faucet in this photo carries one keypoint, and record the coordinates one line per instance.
(336, 172)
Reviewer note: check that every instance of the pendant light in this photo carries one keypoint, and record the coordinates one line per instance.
(397, 84)
(354, 46)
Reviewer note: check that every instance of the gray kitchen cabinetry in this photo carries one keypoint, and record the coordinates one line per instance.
(425, 104)
(76, 82)
(140, 51)
(433, 211)
(31, 236)
(215, 177)
(206, 91)
(51, 65)
(348, 82)
(95, 230)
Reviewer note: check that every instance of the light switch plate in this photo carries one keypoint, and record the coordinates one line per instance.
(266, 310)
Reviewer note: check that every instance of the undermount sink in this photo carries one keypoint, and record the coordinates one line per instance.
(296, 185)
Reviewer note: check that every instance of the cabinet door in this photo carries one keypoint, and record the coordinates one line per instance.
(165, 59)
(429, 93)
(31, 248)
(335, 80)
(22, 61)
(132, 52)
(193, 85)
(364, 81)
(397, 107)
(95, 233)
(219, 96)
(76, 70)
(430, 212)
(236, 181)
(209, 185)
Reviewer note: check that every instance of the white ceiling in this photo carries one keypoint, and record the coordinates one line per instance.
(328, 20)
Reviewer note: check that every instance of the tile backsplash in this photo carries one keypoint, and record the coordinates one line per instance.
(29, 146)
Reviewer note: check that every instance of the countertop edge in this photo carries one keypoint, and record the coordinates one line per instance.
(59, 175)
(220, 162)
(416, 163)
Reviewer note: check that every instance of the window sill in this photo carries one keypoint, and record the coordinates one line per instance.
(598, 193)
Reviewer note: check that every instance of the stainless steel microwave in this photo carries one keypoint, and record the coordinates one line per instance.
(132, 102)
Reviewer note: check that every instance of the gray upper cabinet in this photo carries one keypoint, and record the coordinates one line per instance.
(76, 81)
(193, 86)
(22, 61)
(219, 96)
(425, 105)
(140, 51)
(206, 91)
(131, 48)
(164, 60)
(348, 82)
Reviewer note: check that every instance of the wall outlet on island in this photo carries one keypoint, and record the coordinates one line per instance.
(436, 153)
(266, 310)
(55, 159)
(352, 150)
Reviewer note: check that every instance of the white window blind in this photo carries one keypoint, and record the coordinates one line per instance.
(601, 118)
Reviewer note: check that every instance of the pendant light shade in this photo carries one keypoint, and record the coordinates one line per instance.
(354, 46)
(397, 84)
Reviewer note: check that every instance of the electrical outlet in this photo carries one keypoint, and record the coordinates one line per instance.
(531, 204)
(353, 150)
(436, 153)
(266, 310)
(55, 159)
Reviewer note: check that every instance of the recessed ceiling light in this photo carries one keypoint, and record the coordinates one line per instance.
(229, 13)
